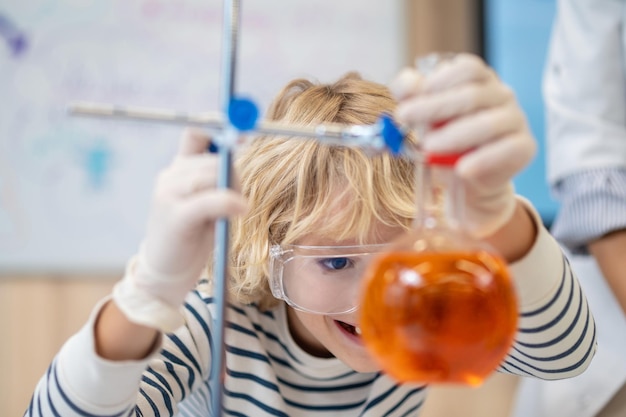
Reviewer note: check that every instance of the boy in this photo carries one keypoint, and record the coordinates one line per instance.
(289, 357)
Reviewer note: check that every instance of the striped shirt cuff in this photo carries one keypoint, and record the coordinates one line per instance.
(593, 203)
(83, 374)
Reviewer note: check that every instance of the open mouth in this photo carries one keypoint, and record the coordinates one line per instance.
(349, 328)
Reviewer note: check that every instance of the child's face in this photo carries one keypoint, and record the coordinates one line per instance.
(331, 336)
(336, 335)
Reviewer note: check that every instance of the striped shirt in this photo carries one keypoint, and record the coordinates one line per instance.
(268, 374)
(593, 203)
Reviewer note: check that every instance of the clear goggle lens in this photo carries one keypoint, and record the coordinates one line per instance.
(320, 279)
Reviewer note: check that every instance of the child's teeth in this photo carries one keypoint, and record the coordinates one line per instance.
(357, 330)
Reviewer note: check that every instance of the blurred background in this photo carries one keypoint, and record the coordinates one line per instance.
(74, 192)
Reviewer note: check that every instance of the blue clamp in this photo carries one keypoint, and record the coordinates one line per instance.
(391, 133)
(213, 148)
(242, 114)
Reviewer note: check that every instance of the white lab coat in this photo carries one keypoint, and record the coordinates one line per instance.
(585, 87)
(585, 91)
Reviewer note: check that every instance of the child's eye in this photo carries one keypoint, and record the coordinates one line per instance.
(335, 264)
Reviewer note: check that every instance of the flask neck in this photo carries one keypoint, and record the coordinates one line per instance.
(440, 196)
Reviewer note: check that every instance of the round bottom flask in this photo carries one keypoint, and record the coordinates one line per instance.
(439, 306)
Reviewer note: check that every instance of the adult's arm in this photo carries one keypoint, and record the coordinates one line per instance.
(585, 96)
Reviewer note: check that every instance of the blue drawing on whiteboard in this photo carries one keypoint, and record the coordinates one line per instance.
(97, 163)
(13, 36)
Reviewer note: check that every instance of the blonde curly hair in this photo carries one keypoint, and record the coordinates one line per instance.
(293, 185)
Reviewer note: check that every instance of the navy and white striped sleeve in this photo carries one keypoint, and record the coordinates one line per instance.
(556, 335)
(593, 203)
(78, 383)
(182, 367)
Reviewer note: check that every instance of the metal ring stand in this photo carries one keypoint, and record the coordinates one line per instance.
(380, 137)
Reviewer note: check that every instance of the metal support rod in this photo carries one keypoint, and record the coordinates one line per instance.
(364, 136)
(229, 57)
(221, 253)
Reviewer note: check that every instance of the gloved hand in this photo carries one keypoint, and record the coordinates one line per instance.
(180, 236)
(476, 115)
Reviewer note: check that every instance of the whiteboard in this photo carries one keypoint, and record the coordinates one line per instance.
(75, 192)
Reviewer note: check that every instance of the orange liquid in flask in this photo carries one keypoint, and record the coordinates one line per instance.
(440, 305)
(435, 317)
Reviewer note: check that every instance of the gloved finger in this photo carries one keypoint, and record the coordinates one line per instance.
(193, 141)
(198, 181)
(447, 74)
(186, 163)
(181, 181)
(474, 130)
(497, 162)
(188, 175)
(406, 84)
(444, 106)
(195, 183)
(213, 204)
(458, 70)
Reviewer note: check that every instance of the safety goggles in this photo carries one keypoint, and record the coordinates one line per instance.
(320, 279)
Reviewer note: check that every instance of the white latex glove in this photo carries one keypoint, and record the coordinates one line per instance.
(478, 116)
(180, 236)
